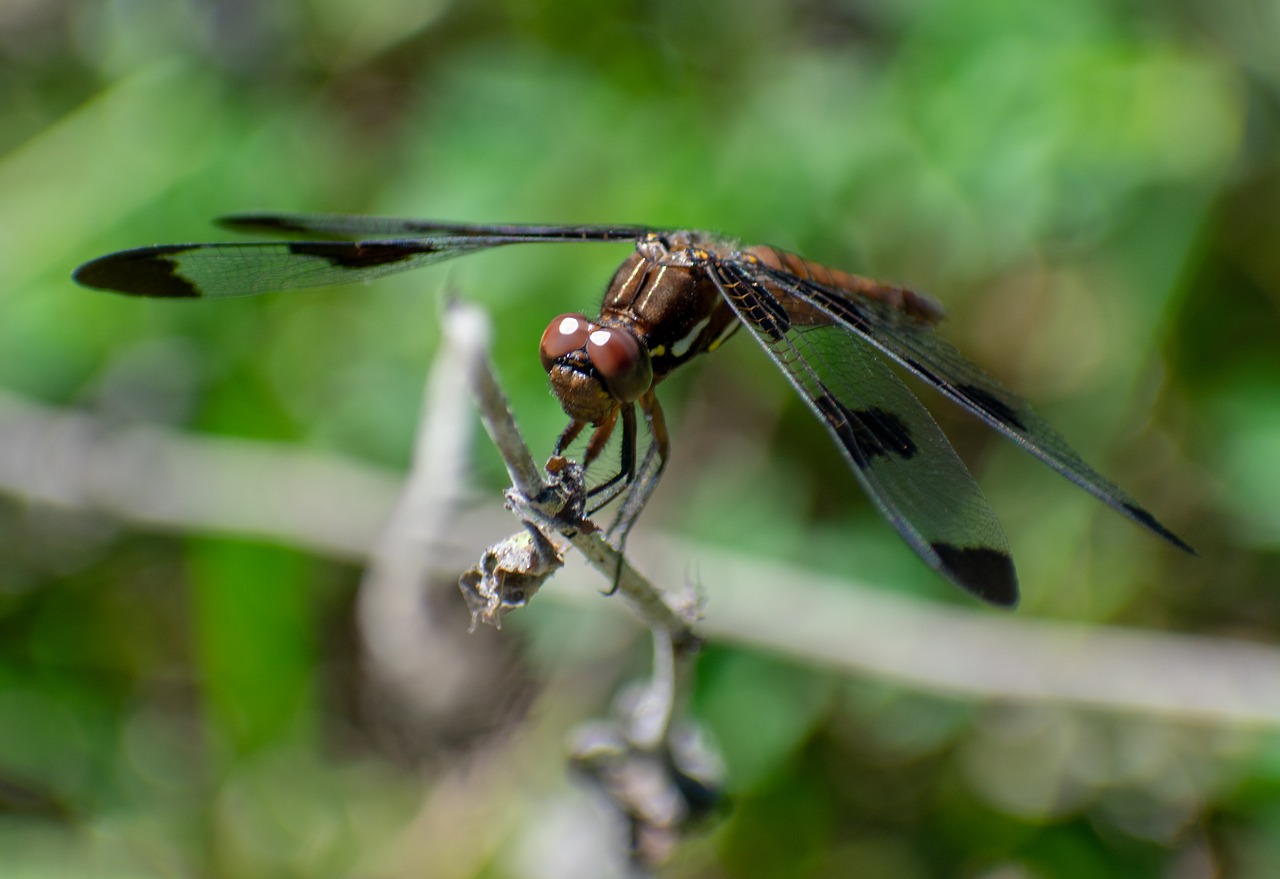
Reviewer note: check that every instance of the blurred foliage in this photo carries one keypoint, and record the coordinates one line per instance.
(1092, 188)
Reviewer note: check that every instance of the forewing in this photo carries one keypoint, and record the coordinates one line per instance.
(183, 271)
(358, 227)
(893, 445)
(915, 345)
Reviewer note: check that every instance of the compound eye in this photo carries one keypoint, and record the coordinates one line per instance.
(621, 362)
(566, 333)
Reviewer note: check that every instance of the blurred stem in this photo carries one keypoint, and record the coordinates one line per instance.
(410, 649)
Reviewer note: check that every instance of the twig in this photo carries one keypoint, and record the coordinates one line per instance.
(644, 771)
(164, 479)
(467, 334)
(426, 662)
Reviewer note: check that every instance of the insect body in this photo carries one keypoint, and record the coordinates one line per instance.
(678, 295)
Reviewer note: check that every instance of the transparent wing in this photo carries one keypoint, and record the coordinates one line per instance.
(894, 447)
(913, 343)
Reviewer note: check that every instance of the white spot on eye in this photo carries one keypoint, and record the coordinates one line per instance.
(680, 348)
(568, 326)
(599, 337)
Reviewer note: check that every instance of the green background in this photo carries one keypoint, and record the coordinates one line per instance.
(1092, 189)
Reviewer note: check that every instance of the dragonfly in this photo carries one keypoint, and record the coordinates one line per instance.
(680, 294)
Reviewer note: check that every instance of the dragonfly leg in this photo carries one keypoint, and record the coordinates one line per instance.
(567, 437)
(605, 492)
(646, 478)
(643, 481)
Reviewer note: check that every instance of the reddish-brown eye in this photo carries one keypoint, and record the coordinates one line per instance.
(621, 362)
(566, 333)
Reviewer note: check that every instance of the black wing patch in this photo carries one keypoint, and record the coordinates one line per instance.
(216, 271)
(150, 271)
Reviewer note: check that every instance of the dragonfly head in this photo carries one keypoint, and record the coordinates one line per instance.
(593, 368)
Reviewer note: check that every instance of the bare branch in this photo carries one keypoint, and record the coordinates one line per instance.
(423, 660)
(469, 336)
(171, 481)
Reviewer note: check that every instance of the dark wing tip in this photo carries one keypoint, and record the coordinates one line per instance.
(987, 573)
(142, 272)
(1144, 518)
